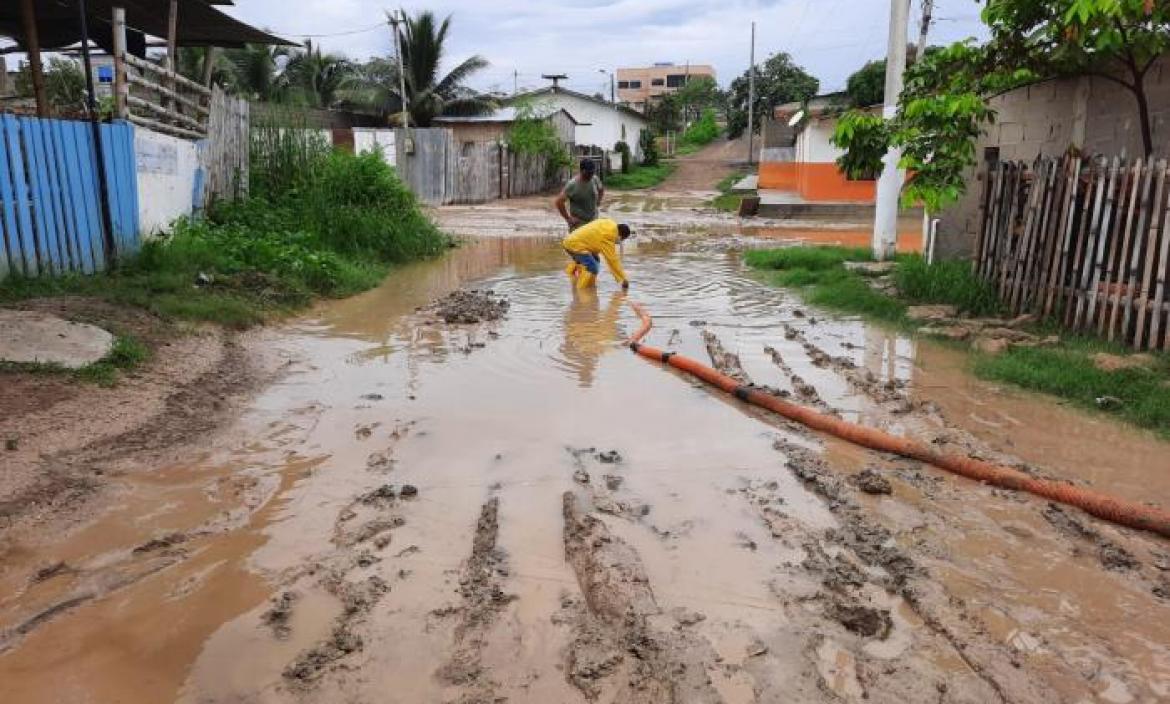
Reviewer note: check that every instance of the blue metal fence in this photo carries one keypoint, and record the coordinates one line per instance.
(50, 207)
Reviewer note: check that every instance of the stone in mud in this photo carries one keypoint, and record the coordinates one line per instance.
(470, 307)
(581, 476)
(408, 491)
(609, 457)
(49, 571)
(612, 482)
(372, 397)
(990, 345)
(865, 621)
(931, 312)
(686, 617)
(756, 648)
(698, 323)
(871, 482)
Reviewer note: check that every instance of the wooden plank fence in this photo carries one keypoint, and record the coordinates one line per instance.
(226, 155)
(50, 208)
(440, 172)
(1085, 243)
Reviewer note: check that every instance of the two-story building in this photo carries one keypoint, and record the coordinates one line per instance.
(638, 87)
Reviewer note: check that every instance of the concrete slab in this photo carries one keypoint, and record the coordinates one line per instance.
(29, 336)
(747, 183)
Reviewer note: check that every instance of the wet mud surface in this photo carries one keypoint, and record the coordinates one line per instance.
(504, 505)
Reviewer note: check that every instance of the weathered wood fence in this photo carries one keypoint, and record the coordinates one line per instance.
(1082, 242)
(225, 158)
(50, 208)
(439, 171)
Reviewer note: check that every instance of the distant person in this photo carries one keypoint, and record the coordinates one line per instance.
(583, 193)
(589, 244)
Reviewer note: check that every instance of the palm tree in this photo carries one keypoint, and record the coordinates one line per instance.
(318, 77)
(255, 71)
(428, 95)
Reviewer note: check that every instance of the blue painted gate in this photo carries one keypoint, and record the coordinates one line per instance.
(50, 212)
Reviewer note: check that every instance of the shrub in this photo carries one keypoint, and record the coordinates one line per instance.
(624, 149)
(950, 282)
(702, 131)
(649, 147)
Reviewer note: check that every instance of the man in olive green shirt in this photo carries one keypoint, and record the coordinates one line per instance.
(583, 193)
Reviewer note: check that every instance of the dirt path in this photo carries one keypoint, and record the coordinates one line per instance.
(705, 168)
(519, 510)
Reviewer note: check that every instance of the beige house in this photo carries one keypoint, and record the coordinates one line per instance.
(636, 87)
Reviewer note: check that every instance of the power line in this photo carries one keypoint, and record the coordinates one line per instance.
(343, 33)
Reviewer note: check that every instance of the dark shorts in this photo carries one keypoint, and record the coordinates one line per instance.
(590, 261)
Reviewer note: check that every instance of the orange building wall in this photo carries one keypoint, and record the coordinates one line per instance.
(815, 182)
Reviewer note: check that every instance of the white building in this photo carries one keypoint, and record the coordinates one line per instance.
(599, 123)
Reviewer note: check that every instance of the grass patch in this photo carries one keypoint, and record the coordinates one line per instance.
(727, 200)
(1068, 371)
(686, 149)
(332, 231)
(640, 177)
(126, 354)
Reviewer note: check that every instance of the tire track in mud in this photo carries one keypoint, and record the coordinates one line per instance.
(484, 599)
(622, 649)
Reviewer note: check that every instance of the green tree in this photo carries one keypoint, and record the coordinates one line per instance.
(867, 85)
(316, 77)
(943, 107)
(698, 94)
(778, 81)
(665, 114)
(255, 72)
(64, 84)
(428, 94)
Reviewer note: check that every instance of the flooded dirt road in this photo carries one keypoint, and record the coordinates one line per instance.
(521, 510)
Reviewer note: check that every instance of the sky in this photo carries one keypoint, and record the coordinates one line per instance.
(581, 38)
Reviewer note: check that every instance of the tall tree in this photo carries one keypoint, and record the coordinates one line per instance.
(255, 71)
(698, 94)
(428, 93)
(779, 80)
(315, 77)
(867, 85)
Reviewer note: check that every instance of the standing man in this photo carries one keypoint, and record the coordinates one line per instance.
(583, 193)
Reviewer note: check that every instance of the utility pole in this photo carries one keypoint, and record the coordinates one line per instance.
(515, 82)
(32, 45)
(923, 29)
(394, 20)
(99, 149)
(751, 107)
(889, 185)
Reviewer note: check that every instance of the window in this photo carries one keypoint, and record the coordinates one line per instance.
(635, 84)
(676, 80)
(657, 82)
(623, 85)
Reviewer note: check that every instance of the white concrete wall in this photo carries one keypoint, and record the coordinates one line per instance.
(813, 145)
(604, 128)
(169, 173)
(366, 139)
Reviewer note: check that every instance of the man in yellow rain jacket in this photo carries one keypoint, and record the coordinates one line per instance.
(590, 243)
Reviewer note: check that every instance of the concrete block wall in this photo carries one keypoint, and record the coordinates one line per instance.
(1093, 114)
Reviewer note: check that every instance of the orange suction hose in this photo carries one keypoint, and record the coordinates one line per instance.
(1120, 511)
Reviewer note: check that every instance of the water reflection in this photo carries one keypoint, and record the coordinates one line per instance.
(589, 332)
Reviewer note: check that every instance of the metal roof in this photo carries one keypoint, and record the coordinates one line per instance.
(550, 90)
(502, 115)
(200, 24)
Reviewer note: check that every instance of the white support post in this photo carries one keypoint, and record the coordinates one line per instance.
(121, 85)
(889, 185)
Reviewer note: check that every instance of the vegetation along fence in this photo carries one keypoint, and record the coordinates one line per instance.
(50, 212)
(225, 157)
(1083, 242)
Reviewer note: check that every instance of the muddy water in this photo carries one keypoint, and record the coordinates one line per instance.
(377, 393)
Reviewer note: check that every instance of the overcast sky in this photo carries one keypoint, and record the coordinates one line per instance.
(830, 38)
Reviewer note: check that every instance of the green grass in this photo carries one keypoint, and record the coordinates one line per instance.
(335, 231)
(640, 177)
(686, 149)
(728, 201)
(1067, 371)
(126, 354)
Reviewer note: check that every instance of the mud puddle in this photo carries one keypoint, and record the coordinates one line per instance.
(517, 509)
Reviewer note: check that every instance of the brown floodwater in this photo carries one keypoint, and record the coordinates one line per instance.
(470, 413)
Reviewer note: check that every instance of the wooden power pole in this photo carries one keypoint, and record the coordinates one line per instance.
(32, 45)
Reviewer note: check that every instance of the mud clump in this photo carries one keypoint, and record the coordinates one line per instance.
(609, 457)
(47, 572)
(865, 621)
(726, 362)
(277, 618)
(383, 494)
(470, 307)
(314, 662)
(1111, 555)
(408, 491)
(161, 543)
(869, 481)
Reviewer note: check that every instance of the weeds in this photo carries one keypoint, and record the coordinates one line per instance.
(727, 200)
(640, 177)
(333, 230)
(1136, 395)
(702, 131)
(950, 282)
